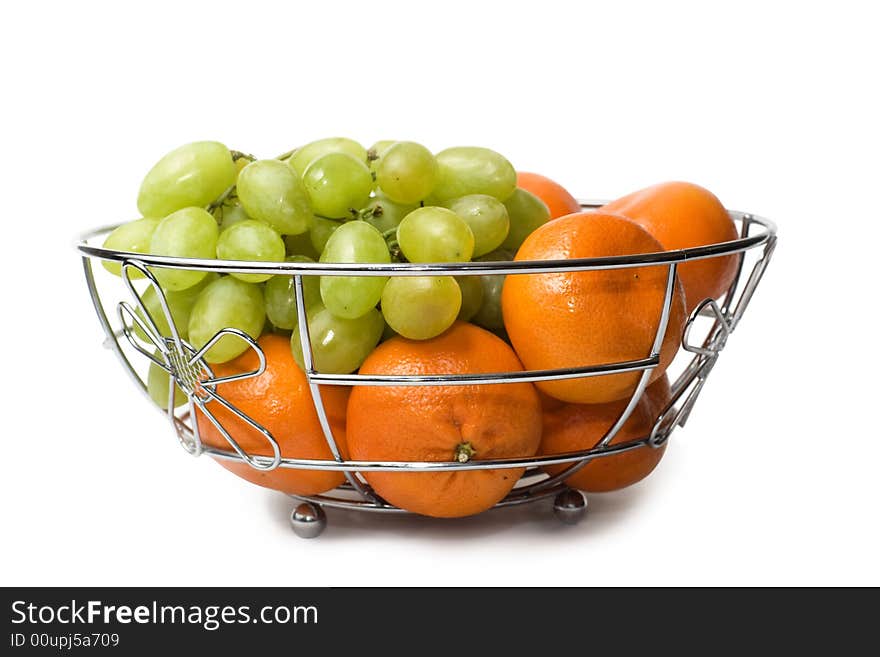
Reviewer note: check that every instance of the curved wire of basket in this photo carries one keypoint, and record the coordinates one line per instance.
(186, 366)
(187, 369)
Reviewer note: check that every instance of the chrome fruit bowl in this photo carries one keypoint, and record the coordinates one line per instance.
(185, 365)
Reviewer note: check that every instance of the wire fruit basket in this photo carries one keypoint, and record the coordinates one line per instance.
(185, 365)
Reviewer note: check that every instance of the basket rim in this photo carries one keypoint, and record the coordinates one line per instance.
(739, 245)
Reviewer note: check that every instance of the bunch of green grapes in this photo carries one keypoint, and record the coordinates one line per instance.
(331, 201)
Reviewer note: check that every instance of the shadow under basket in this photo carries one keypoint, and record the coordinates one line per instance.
(186, 366)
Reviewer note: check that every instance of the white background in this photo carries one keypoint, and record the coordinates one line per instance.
(773, 106)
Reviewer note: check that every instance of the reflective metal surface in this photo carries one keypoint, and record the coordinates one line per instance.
(187, 368)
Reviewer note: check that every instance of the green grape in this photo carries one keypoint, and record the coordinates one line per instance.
(471, 296)
(339, 345)
(195, 174)
(280, 293)
(385, 214)
(305, 155)
(467, 170)
(226, 303)
(158, 381)
(353, 296)
(388, 332)
(271, 191)
(240, 163)
(407, 172)
(498, 255)
(132, 236)
(489, 315)
(321, 231)
(527, 212)
(251, 240)
(230, 213)
(421, 307)
(187, 233)
(179, 305)
(301, 245)
(486, 216)
(337, 184)
(377, 151)
(433, 234)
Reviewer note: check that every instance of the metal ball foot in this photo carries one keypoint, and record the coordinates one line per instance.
(570, 506)
(308, 520)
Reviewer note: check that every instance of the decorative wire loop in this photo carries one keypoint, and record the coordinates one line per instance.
(724, 329)
(188, 370)
(674, 413)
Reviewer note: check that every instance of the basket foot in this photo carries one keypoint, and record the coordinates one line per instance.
(570, 506)
(308, 520)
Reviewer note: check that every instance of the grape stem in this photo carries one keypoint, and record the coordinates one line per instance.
(366, 213)
(230, 192)
(220, 200)
(396, 253)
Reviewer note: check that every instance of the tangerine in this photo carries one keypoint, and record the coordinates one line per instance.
(280, 400)
(576, 427)
(576, 319)
(554, 195)
(444, 423)
(681, 215)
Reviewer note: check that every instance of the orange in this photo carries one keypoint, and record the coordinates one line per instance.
(549, 403)
(279, 400)
(444, 423)
(681, 215)
(574, 319)
(576, 427)
(557, 198)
